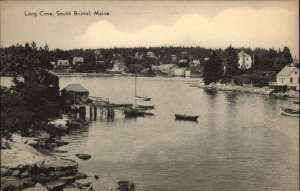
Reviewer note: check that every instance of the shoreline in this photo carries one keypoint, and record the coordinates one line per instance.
(27, 162)
(246, 89)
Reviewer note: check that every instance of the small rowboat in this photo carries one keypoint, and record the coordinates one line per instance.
(186, 117)
(290, 112)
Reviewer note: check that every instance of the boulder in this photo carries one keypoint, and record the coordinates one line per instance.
(9, 183)
(83, 156)
(16, 173)
(80, 175)
(74, 124)
(36, 188)
(126, 186)
(43, 135)
(57, 185)
(58, 167)
(6, 172)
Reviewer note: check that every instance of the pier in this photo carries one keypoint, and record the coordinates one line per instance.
(97, 106)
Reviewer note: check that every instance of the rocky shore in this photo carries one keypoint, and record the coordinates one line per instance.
(245, 88)
(25, 167)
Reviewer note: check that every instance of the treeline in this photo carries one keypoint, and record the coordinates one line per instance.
(264, 59)
(224, 63)
(32, 99)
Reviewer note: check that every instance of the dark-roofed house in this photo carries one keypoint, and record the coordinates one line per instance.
(288, 77)
(74, 94)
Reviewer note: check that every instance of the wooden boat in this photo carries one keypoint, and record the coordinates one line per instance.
(186, 117)
(144, 107)
(133, 112)
(290, 112)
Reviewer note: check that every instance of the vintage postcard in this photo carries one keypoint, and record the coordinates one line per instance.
(149, 95)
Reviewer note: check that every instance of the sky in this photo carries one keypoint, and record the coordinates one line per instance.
(210, 24)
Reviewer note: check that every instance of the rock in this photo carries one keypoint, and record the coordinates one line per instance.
(5, 144)
(9, 183)
(16, 173)
(36, 188)
(61, 142)
(59, 167)
(83, 183)
(74, 124)
(80, 175)
(56, 185)
(126, 186)
(83, 156)
(6, 172)
(68, 179)
(43, 135)
(96, 177)
(25, 174)
(72, 189)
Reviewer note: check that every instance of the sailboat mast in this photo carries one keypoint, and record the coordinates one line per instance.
(135, 86)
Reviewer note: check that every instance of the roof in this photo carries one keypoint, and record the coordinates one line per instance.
(75, 88)
(183, 61)
(286, 71)
(242, 53)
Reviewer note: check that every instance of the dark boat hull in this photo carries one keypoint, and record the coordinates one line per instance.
(186, 117)
(133, 113)
(145, 106)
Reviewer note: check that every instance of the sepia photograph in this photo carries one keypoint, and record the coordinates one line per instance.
(149, 95)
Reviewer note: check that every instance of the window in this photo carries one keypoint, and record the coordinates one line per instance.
(291, 80)
(295, 72)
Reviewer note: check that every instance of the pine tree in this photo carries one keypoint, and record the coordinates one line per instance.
(231, 61)
(213, 69)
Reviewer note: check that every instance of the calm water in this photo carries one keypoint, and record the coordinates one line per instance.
(241, 141)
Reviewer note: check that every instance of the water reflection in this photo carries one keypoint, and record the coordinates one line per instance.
(240, 142)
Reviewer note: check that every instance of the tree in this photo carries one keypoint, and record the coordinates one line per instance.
(231, 61)
(287, 55)
(213, 69)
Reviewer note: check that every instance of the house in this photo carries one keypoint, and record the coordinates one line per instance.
(150, 54)
(287, 78)
(118, 67)
(183, 63)
(138, 55)
(174, 57)
(165, 68)
(179, 71)
(74, 94)
(78, 60)
(195, 63)
(187, 73)
(245, 61)
(62, 64)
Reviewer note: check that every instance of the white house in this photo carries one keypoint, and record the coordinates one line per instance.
(174, 57)
(245, 60)
(179, 71)
(139, 55)
(288, 76)
(62, 63)
(165, 68)
(118, 67)
(187, 73)
(150, 54)
(78, 60)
